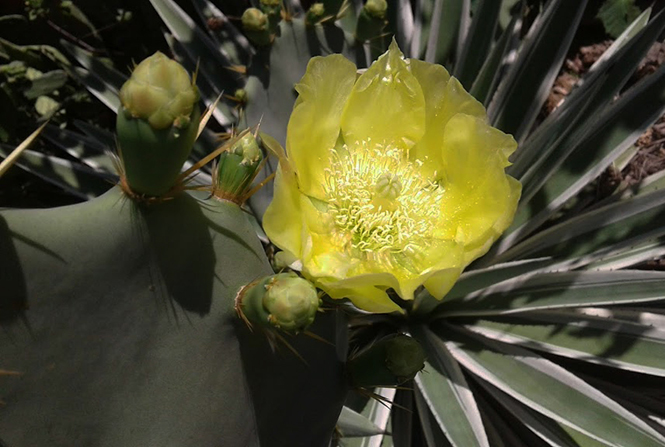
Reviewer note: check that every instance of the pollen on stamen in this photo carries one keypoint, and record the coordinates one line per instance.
(379, 200)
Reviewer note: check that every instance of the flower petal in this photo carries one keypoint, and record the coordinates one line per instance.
(315, 121)
(282, 221)
(440, 283)
(369, 298)
(444, 98)
(479, 195)
(386, 105)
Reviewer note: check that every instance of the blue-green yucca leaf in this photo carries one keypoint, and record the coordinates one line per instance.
(101, 89)
(379, 414)
(597, 338)
(200, 47)
(230, 41)
(496, 63)
(434, 437)
(478, 42)
(551, 390)
(400, 16)
(586, 155)
(525, 88)
(447, 394)
(352, 424)
(594, 230)
(112, 78)
(557, 290)
(550, 431)
(87, 150)
(402, 419)
(77, 179)
(603, 80)
(449, 17)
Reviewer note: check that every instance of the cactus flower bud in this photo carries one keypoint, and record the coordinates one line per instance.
(371, 20)
(315, 14)
(237, 168)
(284, 301)
(388, 362)
(376, 8)
(256, 26)
(157, 124)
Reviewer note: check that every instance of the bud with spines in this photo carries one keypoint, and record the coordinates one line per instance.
(256, 25)
(157, 124)
(237, 168)
(315, 14)
(272, 9)
(390, 361)
(283, 301)
(371, 20)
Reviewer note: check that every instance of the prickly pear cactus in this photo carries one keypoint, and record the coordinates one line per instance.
(118, 315)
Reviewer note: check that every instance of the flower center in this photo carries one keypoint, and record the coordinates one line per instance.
(379, 200)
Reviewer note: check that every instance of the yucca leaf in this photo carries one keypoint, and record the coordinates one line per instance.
(101, 89)
(230, 41)
(431, 430)
(525, 88)
(548, 430)
(593, 230)
(77, 179)
(447, 394)
(497, 62)
(558, 290)
(478, 42)
(614, 131)
(352, 424)
(552, 391)
(422, 20)
(592, 338)
(112, 77)
(447, 18)
(600, 86)
(379, 414)
(199, 47)
(402, 419)
(85, 149)
(400, 16)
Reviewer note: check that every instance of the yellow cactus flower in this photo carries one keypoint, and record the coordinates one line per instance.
(391, 179)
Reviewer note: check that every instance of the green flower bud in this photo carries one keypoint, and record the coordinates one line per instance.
(273, 9)
(283, 301)
(376, 8)
(315, 14)
(388, 362)
(271, 3)
(256, 26)
(157, 124)
(240, 95)
(254, 19)
(237, 168)
(371, 20)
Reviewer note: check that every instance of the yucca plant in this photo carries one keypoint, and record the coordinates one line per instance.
(553, 337)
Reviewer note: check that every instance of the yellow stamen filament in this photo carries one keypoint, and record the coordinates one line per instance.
(379, 200)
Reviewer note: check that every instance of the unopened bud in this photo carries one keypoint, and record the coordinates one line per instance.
(256, 25)
(283, 301)
(315, 14)
(388, 362)
(237, 168)
(157, 124)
